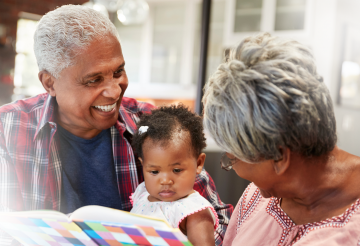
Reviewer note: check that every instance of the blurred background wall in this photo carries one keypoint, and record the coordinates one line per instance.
(162, 54)
(11, 11)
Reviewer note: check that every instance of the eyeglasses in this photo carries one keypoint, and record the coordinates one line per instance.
(226, 162)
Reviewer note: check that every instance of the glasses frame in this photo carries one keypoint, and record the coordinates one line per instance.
(227, 163)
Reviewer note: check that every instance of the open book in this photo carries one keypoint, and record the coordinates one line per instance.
(89, 225)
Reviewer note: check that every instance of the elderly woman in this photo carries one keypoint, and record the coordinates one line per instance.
(273, 115)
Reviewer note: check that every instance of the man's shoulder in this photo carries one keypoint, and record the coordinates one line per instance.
(27, 105)
(133, 106)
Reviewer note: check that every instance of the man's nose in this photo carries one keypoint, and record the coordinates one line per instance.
(113, 88)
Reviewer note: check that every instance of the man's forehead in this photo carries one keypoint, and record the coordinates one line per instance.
(100, 56)
(101, 43)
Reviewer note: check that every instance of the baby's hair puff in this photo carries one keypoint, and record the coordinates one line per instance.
(163, 122)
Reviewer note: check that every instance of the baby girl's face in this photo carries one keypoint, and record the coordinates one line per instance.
(170, 170)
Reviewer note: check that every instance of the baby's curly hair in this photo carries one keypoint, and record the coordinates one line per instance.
(162, 124)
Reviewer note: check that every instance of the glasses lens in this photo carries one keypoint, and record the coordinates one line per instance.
(225, 162)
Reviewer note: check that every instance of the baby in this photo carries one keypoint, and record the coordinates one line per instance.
(169, 143)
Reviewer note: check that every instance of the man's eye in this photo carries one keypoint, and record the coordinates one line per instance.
(89, 82)
(154, 172)
(118, 73)
(176, 170)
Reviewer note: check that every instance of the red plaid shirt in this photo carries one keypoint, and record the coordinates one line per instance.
(30, 165)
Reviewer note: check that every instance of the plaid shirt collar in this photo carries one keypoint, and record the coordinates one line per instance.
(47, 114)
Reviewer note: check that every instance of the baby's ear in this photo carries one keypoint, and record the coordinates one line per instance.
(200, 162)
(141, 161)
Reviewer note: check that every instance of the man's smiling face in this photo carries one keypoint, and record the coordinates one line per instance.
(89, 93)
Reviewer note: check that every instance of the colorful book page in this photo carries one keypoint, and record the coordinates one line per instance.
(46, 232)
(125, 234)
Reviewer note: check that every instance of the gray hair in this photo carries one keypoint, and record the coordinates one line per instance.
(268, 95)
(63, 33)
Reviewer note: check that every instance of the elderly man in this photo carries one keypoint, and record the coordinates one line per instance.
(71, 146)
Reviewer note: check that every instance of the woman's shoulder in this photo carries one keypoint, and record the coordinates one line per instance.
(250, 195)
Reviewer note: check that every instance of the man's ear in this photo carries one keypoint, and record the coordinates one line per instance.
(200, 163)
(47, 80)
(282, 165)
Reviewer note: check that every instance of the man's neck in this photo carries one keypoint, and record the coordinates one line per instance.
(84, 133)
(81, 133)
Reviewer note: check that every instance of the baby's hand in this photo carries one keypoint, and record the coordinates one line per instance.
(199, 228)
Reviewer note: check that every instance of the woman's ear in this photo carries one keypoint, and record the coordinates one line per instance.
(280, 166)
(200, 162)
(47, 80)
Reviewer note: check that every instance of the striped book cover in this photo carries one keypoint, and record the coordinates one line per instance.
(52, 228)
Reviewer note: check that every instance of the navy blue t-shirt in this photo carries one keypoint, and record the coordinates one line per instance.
(88, 171)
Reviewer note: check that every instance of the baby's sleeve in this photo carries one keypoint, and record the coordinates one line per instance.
(134, 198)
(191, 205)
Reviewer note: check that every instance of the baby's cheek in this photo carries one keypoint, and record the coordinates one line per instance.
(150, 186)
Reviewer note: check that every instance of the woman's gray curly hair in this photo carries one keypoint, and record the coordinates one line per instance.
(65, 32)
(268, 95)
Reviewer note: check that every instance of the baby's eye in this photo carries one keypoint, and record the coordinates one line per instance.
(176, 170)
(154, 172)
